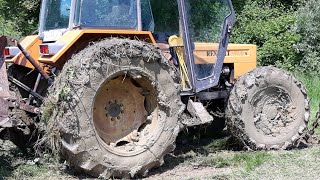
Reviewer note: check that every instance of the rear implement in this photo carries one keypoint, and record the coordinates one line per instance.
(4, 88)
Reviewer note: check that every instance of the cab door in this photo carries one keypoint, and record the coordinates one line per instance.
(201, 25)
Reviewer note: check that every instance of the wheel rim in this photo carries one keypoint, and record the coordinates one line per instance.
(124, 114)
(273, 111)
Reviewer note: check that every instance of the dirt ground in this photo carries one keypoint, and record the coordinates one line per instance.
(16, 165)
(193, 158)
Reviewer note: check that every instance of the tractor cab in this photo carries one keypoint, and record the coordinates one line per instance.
(59, 16)
(68, 26)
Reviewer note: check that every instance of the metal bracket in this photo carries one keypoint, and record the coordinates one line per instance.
(21, 104)
(32, 61)
(206, 96)
(199, 113)
(26, 88)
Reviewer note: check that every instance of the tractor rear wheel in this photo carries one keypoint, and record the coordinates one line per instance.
(268, 109)
(116, 107)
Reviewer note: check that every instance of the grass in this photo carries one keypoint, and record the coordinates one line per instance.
(32, 171)
(217, 144)
(248, 161)
(37, 172)
(213, 154)
(296, 164)
(312, 84)
(4, 171)
(47, 111)
(29, 171)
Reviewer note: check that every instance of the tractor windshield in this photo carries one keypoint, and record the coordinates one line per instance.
(107, 13)
(57, 14)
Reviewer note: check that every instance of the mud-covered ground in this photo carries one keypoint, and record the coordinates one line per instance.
(194, 158)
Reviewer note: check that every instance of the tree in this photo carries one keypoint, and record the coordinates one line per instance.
(22, 15)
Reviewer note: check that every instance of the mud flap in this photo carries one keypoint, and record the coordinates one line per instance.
(4, 95)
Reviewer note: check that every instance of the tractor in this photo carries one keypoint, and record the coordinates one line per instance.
(112, 94)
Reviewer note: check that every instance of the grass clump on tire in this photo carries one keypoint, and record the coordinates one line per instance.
(115, 109)
(268, 109)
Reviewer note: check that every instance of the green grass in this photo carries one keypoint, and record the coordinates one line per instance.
(23, 171)
(247, 161)
(4, 172)
(217, 145)
(35, 172)
(29, 171)
(218, 162)
(296, 164)
(250, 161)
(312, 84)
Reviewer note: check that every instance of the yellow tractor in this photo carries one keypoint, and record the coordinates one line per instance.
(114, 94)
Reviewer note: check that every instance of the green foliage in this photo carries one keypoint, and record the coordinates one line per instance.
(269, 26)
(206, 24)
(19, 17)
(165, 15)
(312, 84)
(7, 28)
(206, 18)
(308, 26)
(285, 31)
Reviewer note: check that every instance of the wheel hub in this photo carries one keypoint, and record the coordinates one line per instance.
(120, 114)
(114, 110)
(272, 111)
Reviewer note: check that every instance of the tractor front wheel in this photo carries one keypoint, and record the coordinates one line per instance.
(268, 109)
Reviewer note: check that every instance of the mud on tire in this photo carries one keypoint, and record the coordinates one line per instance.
(97, 103)
(268, 109)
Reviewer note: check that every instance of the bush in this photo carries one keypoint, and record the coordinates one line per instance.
(7, 28)
(21, 16)
(308, 27)
(270, 27)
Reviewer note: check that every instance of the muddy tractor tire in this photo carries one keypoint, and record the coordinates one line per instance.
(268, 109)
(116, 107)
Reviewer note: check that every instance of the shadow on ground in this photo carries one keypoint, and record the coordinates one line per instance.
(196, 141)
(190, 143)
(10, 159)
